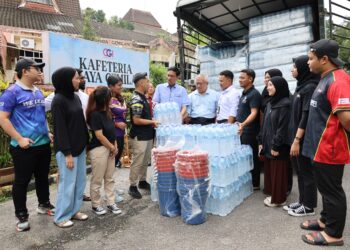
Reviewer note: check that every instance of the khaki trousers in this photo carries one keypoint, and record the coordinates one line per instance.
(141, 152)
(103, 167)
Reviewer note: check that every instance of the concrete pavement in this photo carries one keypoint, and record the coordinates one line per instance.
(140, 226)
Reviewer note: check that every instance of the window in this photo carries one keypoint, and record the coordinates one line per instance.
(34, 55)
(48, 2)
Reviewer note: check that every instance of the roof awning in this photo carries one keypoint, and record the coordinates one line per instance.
(227, 20)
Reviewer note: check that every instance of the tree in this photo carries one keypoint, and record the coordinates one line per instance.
(158, 73)
(343, 39)
(94, 15)
(118, 22)
(88, 32)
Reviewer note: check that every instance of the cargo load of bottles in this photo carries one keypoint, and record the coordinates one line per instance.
(200, 169)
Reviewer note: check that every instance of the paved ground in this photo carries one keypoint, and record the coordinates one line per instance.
(250, 226)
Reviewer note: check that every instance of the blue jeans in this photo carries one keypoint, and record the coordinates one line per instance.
(71, 187)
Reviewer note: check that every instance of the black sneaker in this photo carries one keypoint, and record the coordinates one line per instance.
(46, 208)
(22, 224)
(292, 206)
(144, 185)
(118, 164)
(301, 211)
(134, 192)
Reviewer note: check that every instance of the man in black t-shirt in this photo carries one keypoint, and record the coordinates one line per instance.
(141, 135)
(248, 118)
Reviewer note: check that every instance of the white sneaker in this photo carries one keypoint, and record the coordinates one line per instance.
(268, 203)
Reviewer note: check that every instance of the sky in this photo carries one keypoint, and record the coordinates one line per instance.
(162, 10)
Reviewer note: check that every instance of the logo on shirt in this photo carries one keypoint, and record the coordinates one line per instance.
(244, 100)
(343, 101)
(2, 104)
(32, 103)
(313, 103)
(319, 90)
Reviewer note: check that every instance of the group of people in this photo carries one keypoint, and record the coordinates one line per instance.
(308, 130)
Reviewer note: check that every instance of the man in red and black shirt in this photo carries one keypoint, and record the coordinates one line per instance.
(327, 141)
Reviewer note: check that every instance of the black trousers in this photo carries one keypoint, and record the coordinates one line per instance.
(120, 144)
(329, 183)
(306, 181)
(34, 160)
(250, 139)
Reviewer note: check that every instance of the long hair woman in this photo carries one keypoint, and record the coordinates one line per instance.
(103, 149)
(70, 140)
(273, 142)
(119, 110)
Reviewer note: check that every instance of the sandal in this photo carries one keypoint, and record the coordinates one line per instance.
(319, 240)
(80, 216)
(64, 224)
(312, 225)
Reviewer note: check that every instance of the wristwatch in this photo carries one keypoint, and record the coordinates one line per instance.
(297, 138)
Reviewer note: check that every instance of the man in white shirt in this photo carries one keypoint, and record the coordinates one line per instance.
(229, 99)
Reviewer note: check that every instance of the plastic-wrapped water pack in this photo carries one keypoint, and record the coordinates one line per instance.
(281, 20)
(280, 38)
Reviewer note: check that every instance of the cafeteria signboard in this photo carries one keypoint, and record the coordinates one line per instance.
(96, 60)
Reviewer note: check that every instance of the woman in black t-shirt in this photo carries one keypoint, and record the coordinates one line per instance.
(103, 149)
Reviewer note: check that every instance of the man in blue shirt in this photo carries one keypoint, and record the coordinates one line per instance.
(22, 116)
(203, 103)
(172, 92)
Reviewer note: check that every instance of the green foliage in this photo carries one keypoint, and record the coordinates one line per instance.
(5, 159)
(88, 32)
(344, 53)
(158, 73)
(195, 37)
(118, 22)
(94, 15)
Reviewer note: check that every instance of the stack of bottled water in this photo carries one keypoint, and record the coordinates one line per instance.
(167, 113)
(268, 46)
(230, 162)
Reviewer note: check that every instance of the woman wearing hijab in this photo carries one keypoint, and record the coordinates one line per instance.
(103, 149)
(70, 140)
(265, 95)
(306, 85)
(273, 141)
(119, 109)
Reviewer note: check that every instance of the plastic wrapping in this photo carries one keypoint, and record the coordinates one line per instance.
(280, 20)
(192, 171)
(278, 56)
(167, 113)
(222, 200)
(226, 170)
(276, 39)
(163, 160)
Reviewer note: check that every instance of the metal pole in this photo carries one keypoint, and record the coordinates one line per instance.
(181, 46)
(330, 20)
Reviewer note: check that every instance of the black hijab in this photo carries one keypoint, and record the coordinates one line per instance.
(304, 75)
(265, 95)
(282, 89)
(62, 81)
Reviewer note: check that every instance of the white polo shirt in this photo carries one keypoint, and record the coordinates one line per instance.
(228, 103)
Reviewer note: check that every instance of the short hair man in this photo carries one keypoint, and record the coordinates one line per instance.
(229, 99)
(22, 116)
(141, 135)
(203, 103)
(172, 92)
(326, 141)
(248, 117)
